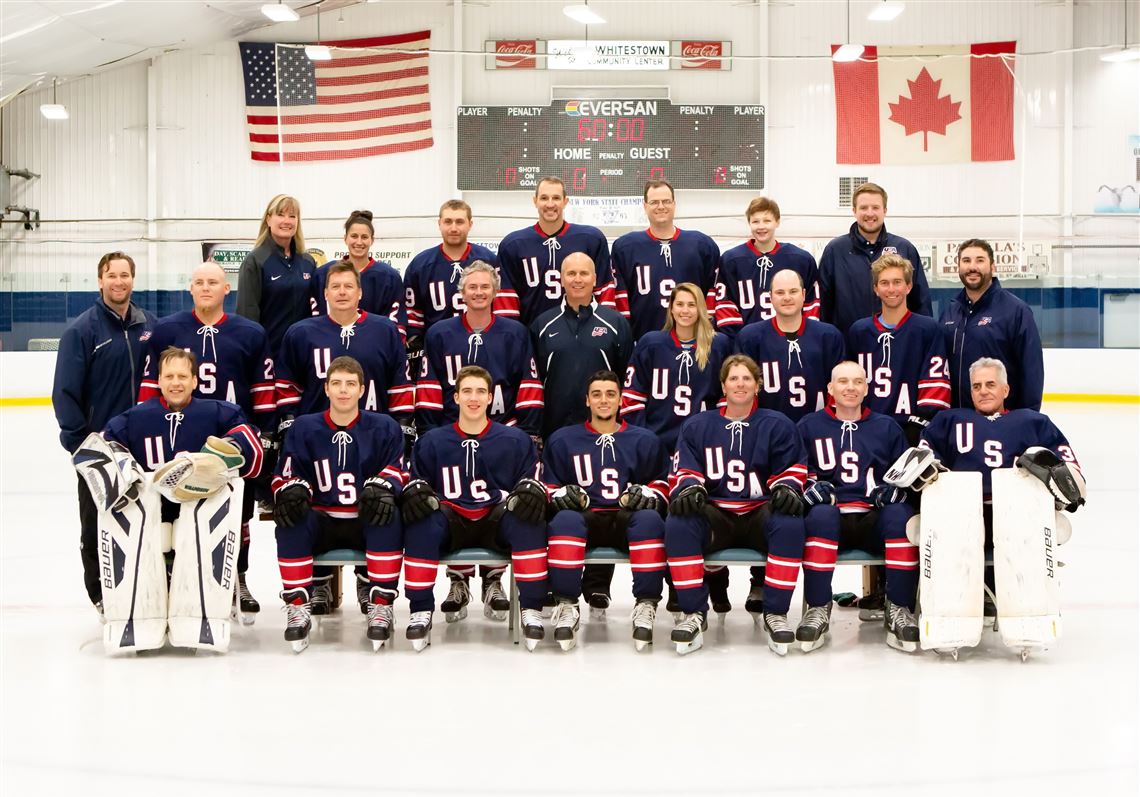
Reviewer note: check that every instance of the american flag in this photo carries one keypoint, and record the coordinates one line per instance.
(361, 103)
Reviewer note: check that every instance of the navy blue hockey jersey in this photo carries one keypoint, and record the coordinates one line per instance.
(312, 344)
(852, 455)
(604, 465)
(234, 362)
(503, 348)
(530, 265)
(966, 440)
(646, 269)
(744, 278)
(381, 288)
(739, 462)
(473, 474)
(664, 385)
(908, 372)
(154, 433)
(431, 287)
(795, 368)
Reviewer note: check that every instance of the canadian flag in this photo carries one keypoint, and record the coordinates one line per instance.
(932, 104)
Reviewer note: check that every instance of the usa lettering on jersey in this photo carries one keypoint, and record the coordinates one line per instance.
(851, 455)
(907, 367)
(744, 281)
(605, 464)
(795, 368)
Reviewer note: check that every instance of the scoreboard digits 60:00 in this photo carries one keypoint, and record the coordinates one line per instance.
(603, 147)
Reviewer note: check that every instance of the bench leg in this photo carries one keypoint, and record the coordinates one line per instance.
(514, 618)
(337, 587)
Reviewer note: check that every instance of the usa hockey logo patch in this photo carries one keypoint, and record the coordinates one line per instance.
(144, 337)
(598, 332)
(890, 250)
(985, 321)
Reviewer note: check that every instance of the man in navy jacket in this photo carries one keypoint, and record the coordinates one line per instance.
(97, 375)
(845, 292)
(985, 320)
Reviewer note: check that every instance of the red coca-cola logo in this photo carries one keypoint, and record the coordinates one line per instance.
(701, 55)
(516, 54)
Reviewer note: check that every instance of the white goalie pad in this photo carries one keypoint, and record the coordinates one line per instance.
(1026, 577)
(132, 573)
(207, 538)
(109, 472)
(951, 562)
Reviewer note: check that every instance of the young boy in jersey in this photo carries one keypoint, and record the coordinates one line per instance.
(849, 448)
(607, 484)
(474, 483)
(737, 482)
(337, 483)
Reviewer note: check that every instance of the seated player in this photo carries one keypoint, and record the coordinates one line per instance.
(607, 483)
(474, 483)
(156, 434)
(848, 448)
(337, 483)
(737, 482)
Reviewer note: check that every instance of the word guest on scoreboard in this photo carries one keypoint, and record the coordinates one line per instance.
(603, 147)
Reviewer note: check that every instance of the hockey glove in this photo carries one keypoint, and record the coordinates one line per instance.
(418, 501)
(787, 501)
(291, 504)
(377, 502)
(528, 501)
(915, 468)
(820, 493)
(227, 450)
(884, 494)
(571, 497)
(637, 497)
(690, 501)
(410, 438)
(283, 427)
(1064, 481)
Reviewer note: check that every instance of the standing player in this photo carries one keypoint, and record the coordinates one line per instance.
(985, 320)
(531, 259)
(474, 482)
(347, 466)
(745, 276)
(382, 290)
(97, 374)
(902, 354)
(737, 481)
(845, 267)
(431, 281)
(607, 482)
(648, 264)
(234, 364)
(849, 450)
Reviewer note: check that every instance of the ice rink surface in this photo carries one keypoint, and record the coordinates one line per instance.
(475, 715)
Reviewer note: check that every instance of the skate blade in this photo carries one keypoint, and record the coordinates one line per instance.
(531, 644)
(951, 652)
(377, 644)
(494, 614)
(899, 644)
(299, 645)
(598, 615)
(808, 647)
(757, 618)
(641, 644)
(779, 648)
(871, 615)
(455, 617)
(685, 648)
(567, 644)
(419, 644)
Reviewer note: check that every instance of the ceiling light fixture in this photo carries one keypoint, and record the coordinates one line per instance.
(847, 52)
(279, 12)
(886, 11)
(318, 52)
(581, 12)
(1129, 53)
(54, 110)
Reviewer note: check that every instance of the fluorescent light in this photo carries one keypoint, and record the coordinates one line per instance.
(53, 111)
(318, 52)
(847, 52)
(279, 12)
(581, 12)
(886, 11)
(1117, 56)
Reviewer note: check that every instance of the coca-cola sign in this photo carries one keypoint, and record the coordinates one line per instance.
(516, 54)
(702, 54)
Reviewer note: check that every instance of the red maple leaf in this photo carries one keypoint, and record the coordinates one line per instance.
(924, 111)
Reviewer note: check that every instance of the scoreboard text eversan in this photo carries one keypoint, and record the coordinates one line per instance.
(611, 147)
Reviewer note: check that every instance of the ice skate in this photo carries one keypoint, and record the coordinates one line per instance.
(454, 606)
(363, 588)
(102, 614)
(779, 632)
(902, 630)
(419, 630)
(496, 604)
(531, 623)
(322, 596)
(717, 581)
(814, 627)
(754, 603)
(871, 607)
(599, 602)
(246, 606)
(380, 620)
(566, 620)
(298, 622)
(644, 614)
(688, 632)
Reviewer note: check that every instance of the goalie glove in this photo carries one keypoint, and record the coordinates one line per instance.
(418, 501)
(528, 501)
(883, 494)
(291, 504)
(637, 497)
(1064, 481)
(787, 501)
(689, 501)
(227, 450)
(820, 492)
(377, 502)
(570, 497)
(192, 476)
(915, 468)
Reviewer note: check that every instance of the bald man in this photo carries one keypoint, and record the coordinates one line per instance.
(234, 364)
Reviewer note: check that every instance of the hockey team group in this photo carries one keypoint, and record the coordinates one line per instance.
(660, 397)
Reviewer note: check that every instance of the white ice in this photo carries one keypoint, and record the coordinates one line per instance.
(475, 715)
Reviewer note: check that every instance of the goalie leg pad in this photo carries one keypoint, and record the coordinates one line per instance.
(207, 539)
(110, 472)
(951, 562)
(1026, 571)
(132, 573)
